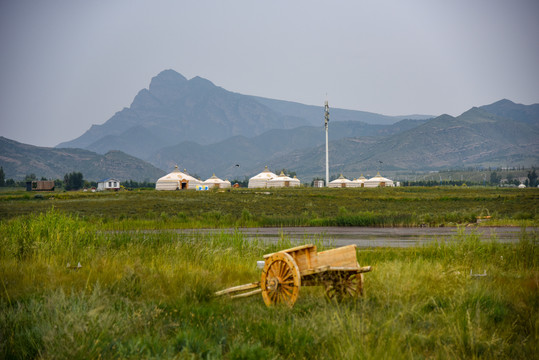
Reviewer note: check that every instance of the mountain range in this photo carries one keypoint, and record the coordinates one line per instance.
(206, 129)
(19, 160)
(173, 110)
(477, 138)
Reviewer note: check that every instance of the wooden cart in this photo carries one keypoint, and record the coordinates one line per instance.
(286, 271)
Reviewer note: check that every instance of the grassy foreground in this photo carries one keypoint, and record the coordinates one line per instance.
(144, 295)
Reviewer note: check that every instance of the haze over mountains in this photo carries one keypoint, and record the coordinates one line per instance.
(19, 160)
(475, 138)
(174, 109)
(207, 129)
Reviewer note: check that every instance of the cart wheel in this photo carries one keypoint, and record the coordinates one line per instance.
(280, 280)
(348, 285)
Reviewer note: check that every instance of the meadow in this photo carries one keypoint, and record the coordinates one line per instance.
(150, 294)
(389, 207)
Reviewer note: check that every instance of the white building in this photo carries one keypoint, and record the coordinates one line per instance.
(359, 182)
(177, 180)
(340, 182)
(261, 180)
(379, 181)
(108, 184)
(215, 182)
(283, 181)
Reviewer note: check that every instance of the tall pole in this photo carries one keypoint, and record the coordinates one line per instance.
(326, 117)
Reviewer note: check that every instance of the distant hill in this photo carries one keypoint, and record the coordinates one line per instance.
(528, 114)
(207, 129)
(475, 138)
(222, 157)
(19, 160)
(174, 109)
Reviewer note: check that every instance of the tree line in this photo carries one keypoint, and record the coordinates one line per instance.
(71, 181)
(75, 181)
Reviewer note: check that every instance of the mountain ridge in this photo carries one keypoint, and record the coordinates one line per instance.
(206, 128)
(173, 109)
(475, 138)
(19, 159)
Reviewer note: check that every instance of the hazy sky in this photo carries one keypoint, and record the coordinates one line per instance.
(67, 64)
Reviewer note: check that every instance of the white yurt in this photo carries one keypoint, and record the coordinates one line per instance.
(177, 180)
(283, 181)
(215, 182)
(359, 182)
(379, 181)
(340, 182)
(261, 180)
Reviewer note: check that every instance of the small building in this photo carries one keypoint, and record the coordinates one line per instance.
(340, 182)
(177, 180)
(40, 185)
(108, 184)
(215, 182)
(261, 180)
(379, 181)
(318, 183)
(283, 181)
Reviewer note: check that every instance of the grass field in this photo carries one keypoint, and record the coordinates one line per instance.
(410, 206)
(150, 295)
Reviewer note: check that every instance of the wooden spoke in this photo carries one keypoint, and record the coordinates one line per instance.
(280, 280)
(350, 285)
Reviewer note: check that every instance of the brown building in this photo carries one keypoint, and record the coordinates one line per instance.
(40, 185)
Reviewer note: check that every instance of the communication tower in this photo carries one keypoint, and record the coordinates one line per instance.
(326, 117)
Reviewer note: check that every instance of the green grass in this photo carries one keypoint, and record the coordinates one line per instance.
(390, 207)
(149, 295)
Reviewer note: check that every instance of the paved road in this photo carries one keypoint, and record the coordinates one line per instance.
(376, 237)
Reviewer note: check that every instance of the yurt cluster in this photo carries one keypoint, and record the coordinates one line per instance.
(377, 181)
(178, 180)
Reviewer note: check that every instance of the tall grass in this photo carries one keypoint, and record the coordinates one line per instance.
(150, 295)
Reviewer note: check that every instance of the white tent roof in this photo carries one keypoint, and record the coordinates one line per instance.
(358, 182)
(264, 175)
(261, 180)
(341, 179)
(176, 175)
(339, 182)
(214, 180)
(171, 180)
(282, 179)
(361, 178)
(374, 181)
